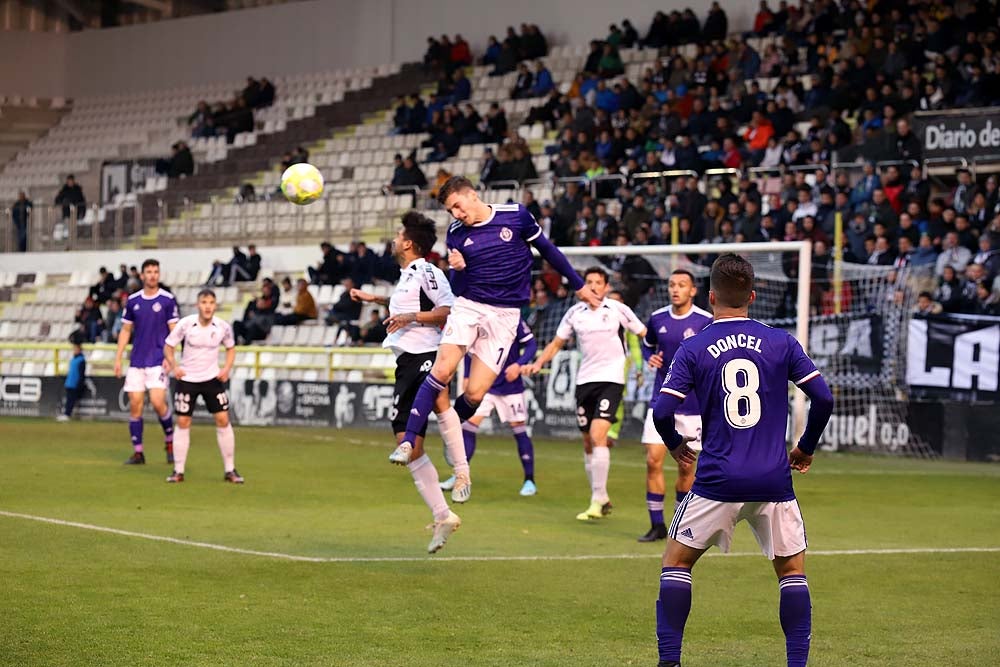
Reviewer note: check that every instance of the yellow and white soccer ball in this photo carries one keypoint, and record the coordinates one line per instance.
(302, 184)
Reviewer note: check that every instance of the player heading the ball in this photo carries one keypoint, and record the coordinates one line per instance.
(489, 252)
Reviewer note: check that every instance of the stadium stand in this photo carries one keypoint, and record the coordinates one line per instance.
(768, 135)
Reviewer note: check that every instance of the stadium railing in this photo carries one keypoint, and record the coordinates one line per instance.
(375, 364)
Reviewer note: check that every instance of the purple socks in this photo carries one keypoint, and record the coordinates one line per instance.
(672, 610)
(525, 451)
(135, 430)
(795, 612)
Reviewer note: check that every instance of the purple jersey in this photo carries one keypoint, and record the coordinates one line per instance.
(149, 317)
(498, 257)
(664, 333)
(526, 347)
(739, 369)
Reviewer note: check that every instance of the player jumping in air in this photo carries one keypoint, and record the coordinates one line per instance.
(506, 396)
(600, 379)
(739, 369)
(151, 313)
(418, 309)
(666, 330)
(489, 251)
(199, 375)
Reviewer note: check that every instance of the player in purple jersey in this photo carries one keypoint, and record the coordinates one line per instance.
(666, 330)
(489, 251)
(739, 369)
(149, 316)
(506, 396)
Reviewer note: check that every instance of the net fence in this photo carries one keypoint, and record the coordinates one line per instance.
(857, 326)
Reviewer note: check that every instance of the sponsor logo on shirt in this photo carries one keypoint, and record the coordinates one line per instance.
(505, 234)
(467, 243)
(664, 330)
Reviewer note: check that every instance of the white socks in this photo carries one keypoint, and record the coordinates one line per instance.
(451, 432)
(182, 442)
(227, 447)
(425, 478)
(600, 465)
(588, 466)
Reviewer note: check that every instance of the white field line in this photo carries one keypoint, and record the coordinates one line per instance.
(408, 559)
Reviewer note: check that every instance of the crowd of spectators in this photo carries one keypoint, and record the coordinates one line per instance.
(230, 117)
(98, 318)
(180, 163)
(243, 267)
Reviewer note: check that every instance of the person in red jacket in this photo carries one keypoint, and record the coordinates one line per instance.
(757, 135)
(460, 54)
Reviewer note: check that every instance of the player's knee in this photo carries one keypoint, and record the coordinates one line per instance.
(185, 422)
(221, 419)
(654, 460)
(474, 395)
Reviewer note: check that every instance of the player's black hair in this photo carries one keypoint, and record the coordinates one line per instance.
(420, 231)
(684, 272)
(206, 292)
(598, 270)
(732, 280)
(453, 185)
(150, 262)
(77, 338)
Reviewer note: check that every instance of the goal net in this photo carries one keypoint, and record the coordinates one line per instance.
(852, 322)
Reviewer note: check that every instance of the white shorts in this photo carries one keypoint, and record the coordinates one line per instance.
(141, 379)
(685, 425)
(485, 331)
(509, 407)
(700, 523)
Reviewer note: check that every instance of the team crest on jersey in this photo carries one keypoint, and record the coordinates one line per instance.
(157, 307)
(135, 307)
(688, 332)
(506, 234)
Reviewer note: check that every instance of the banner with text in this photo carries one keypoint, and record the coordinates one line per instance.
(965, 133)
(954, 357)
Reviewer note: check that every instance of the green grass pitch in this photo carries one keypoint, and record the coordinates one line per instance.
(73, 596)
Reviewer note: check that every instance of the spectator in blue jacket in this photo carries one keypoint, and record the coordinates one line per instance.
(543, 80)
(74, 384)
(462, 87)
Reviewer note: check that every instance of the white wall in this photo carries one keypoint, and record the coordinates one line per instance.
(327, 34)
(33, 64)
(281, 259)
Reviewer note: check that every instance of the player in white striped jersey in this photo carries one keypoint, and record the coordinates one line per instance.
(599, 380)
(418, 308)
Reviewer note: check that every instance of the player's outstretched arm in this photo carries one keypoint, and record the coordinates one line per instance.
(820, 409)
(368, 297)
(554, 256)
(664, 406)
(123, 337)
(548, 353)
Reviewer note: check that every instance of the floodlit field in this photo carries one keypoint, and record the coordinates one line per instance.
(522, 583)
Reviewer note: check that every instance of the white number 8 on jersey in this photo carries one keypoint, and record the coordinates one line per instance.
(741, 380)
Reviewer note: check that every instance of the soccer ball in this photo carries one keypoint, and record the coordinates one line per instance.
(302, 184)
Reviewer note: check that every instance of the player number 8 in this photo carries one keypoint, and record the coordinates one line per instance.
(741, 380)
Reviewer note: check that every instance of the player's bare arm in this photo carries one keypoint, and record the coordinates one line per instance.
(429, 318)
(227, 367)
(547, 355)
(123, 337)
(170, 362)
(368, 297)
